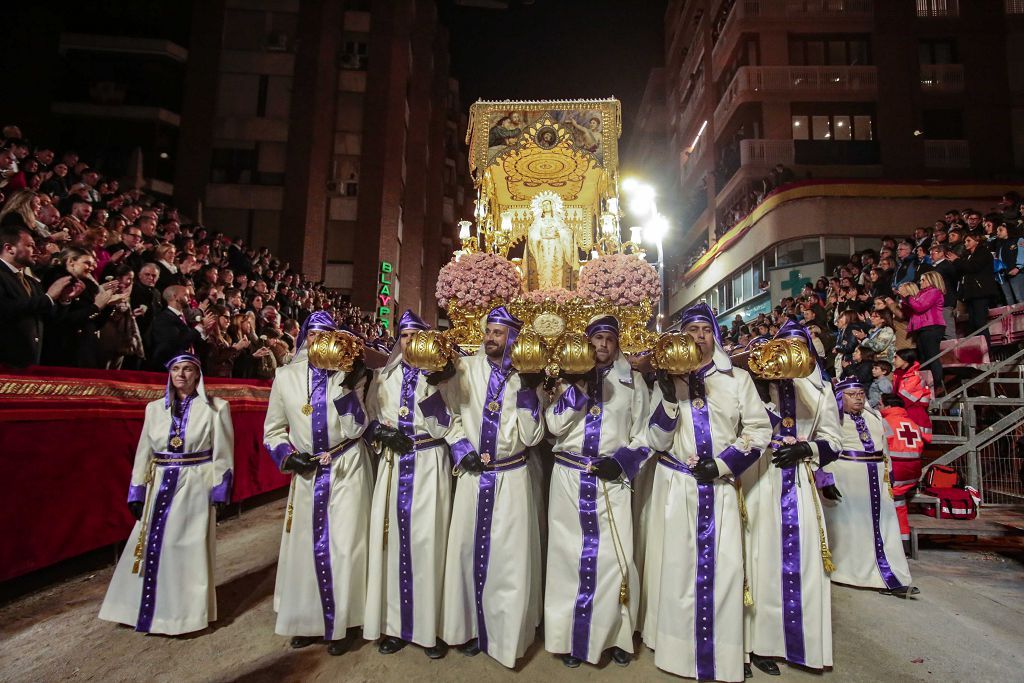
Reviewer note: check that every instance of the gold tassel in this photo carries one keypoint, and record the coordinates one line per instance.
(624, 592)
(885, 476)
(145, 517)
(826, 553)
(741, 501)
(291, 507)
(389, 456)
(623, 561)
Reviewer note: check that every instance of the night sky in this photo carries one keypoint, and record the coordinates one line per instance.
(556, 49)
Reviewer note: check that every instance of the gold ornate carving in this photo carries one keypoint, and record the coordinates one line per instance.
(529, 353)
(429, 350)
(781, 359)
(676, 353)
(335, 351)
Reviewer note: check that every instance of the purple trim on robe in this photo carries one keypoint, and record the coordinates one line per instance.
(704, 581)
(137, 494)
(406, 477)
(349, 405)
(571, 399)
(459, 450)
(792, 597)
(864, 433)
(280, 452)
(221, 493)
(773, 418)
(826, 454)
(823, 478)
(527, 399)
(583, 611)
(630, 460)
(485, 497)
(881, 560)
(322, 496)
(737, 460)
(434, 408)
(154, 544)
(661, 420)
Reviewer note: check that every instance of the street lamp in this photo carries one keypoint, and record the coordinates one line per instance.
(642, 203)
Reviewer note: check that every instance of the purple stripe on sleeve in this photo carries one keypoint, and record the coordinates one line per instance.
(527, 399)
(137, 494)
(662, 421)
(459, 450)
(221, 493)
(349, 405)
(737, 460)
(825, 452)
(433, 408)
(571, 399)
(823, 478)
(630, 459)
(279, 452)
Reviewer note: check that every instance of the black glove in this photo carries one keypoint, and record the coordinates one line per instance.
(357, 372)
(471, 462)
(531, 380)
(447, 372)
(136, 507)
(705, 471)
(790, 455)
(570, 378)
(668, 386)
(607, 469)
(299, 463)
(392, 438)
(830, 492)
(763, 390)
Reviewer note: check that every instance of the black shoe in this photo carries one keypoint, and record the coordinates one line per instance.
(766, 665)
(747, 671)
(571, 662)
(903, 591)
(302, 641)
(470, 649)
(620, 656)
(389, 645)
(438, 651)
(338, 647)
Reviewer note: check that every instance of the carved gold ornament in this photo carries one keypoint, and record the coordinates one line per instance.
(335, 351)
(575, 355)
(528, 352)
(781, 359)
(429, 350)
(676, 353)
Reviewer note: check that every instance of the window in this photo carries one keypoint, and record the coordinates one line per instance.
(863, 128)
(943, 124)
(937, 52)
(821, 128)
(229, 165)
(938, 8)
(844, 127)
(801, 131)
(839, 50)
(354, 55)
(842, 130)
(798, 251)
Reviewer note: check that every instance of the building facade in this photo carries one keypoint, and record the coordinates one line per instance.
(328, 131)
(918, 105)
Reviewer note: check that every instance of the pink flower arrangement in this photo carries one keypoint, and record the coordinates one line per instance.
(621, 279)
(477, 280)
(559, 295)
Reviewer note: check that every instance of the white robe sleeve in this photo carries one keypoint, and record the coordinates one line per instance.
(755, 428)
(529, 418)
(663, 420)
(223, 452)
(827, 440)
(275, 427)
(143, 460)
(632, 456)
(563, 412)
(352, 420)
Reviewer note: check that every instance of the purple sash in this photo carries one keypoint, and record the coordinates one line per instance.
(704, 583)
(875, 493)
(406, 477)
(321, 502)
(792, 603)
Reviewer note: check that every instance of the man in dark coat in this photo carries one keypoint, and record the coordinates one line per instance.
(171, 334)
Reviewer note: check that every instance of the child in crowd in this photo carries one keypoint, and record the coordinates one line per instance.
(881, 370)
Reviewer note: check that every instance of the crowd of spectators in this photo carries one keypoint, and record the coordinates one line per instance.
(883, 314)
(756, 192)
(99, 276)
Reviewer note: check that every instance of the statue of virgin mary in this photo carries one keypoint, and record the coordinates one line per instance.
(552, 257)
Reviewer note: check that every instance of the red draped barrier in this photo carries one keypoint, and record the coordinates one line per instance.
(67, 442)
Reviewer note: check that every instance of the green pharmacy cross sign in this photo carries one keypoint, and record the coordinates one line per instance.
(794, 284)
(385, 305)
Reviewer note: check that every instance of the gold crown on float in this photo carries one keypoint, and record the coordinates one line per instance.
(529, 354)
(335, 351)
(676, 353)
(781, 359)
(575, 355)
(429, 350)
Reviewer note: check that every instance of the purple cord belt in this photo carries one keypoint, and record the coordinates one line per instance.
(165, 459)
(862, 456)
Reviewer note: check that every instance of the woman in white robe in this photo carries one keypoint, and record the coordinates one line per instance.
(314, 424)
(164, 581)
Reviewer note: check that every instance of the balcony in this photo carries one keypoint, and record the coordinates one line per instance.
(750, 15)
(1014, 6)
(695, 103)
(947, 154)
(755, 159)
(756, 82)
(938, 8)
(942, 78)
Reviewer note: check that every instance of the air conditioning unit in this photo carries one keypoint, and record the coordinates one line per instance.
(277, 42)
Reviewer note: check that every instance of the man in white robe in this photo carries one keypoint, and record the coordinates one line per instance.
(599, 422)
(863, 527)
(411, 502)
(711, 426)
(791, 615)
(314, 422)
(492, 591)
(164, 580)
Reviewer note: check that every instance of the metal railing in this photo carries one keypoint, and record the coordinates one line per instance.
(942, 77)
(1014, 6)
(794, 79)
(766, 152)
(938, 8)
(947, 154)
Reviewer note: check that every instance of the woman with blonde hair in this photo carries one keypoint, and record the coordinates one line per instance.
(25, 203)
(924, 308)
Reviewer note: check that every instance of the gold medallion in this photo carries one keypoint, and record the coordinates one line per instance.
(494, 406)
(176, 442)
(403, 412)
(595, 411)
(307, 409)
(788, 422)
(865, 437)
(698, 403)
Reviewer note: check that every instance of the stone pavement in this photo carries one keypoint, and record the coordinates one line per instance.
(967, 625)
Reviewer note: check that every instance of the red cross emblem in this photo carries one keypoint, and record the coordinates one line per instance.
(908, 434)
